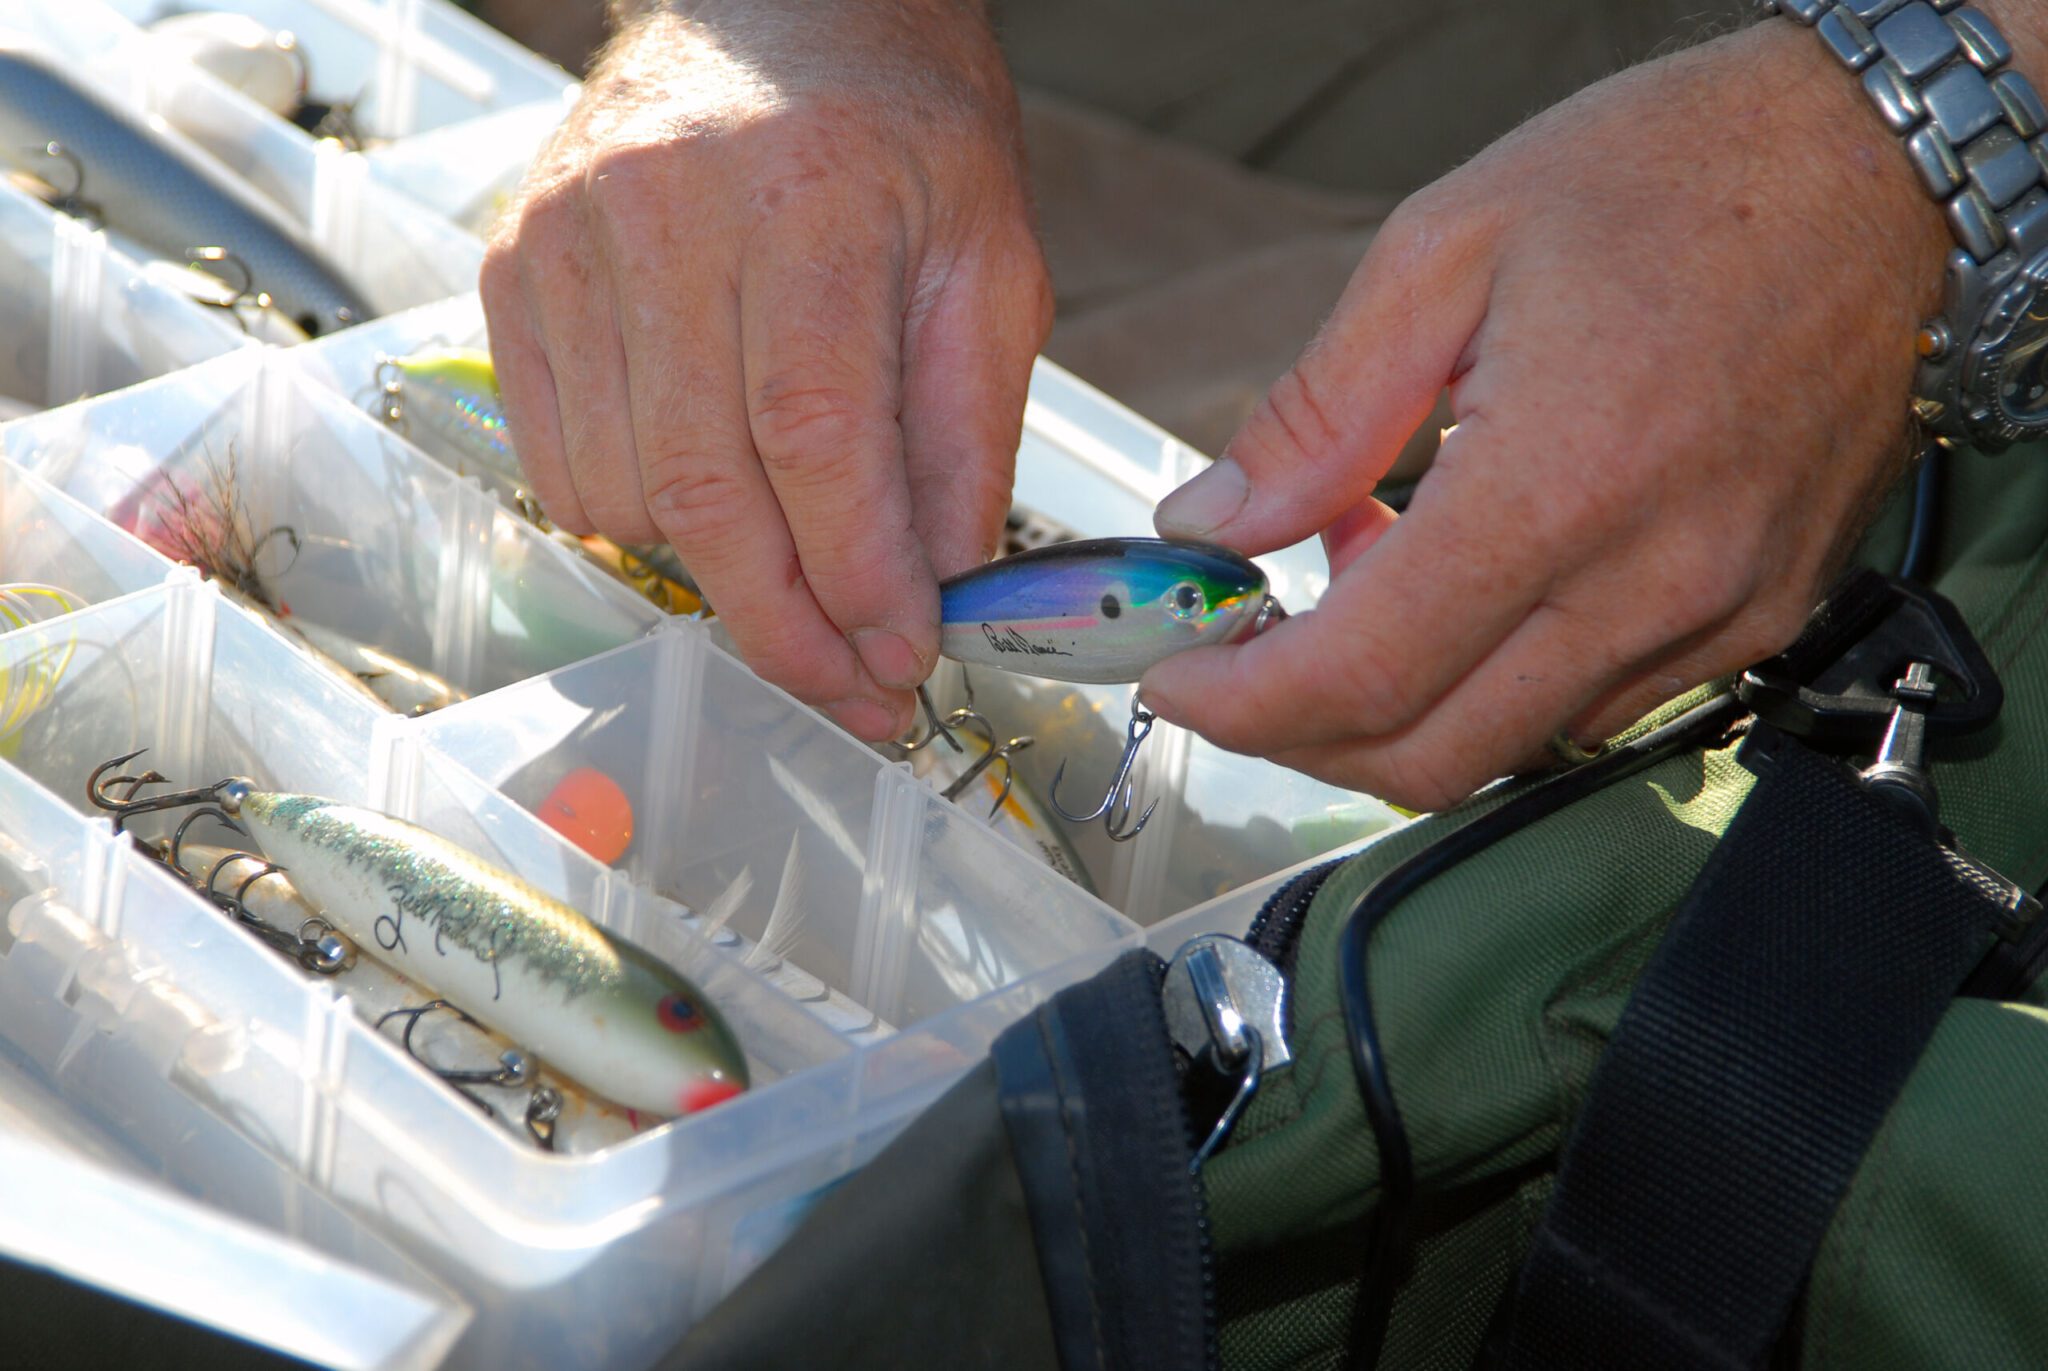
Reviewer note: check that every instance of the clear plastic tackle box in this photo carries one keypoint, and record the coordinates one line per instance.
(170, 1084)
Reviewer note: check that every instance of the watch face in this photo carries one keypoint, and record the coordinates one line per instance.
(2023, 371)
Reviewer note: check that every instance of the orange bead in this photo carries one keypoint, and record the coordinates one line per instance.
(589, 809)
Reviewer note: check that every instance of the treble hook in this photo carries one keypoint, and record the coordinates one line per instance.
(1118, 801)
(988, 759)
(178, 838)
(514, 1067)
(124, 809)
(314, 944)
(73, 201)
(938, 727)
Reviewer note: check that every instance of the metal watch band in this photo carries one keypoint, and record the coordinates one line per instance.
(1936, 71)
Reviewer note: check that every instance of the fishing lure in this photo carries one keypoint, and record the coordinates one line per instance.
(646, 571)
(262, 63)
(210, 528)
(511, 956)
(259, 894)
(151, 183)
(1100, 610)
(451, 395)
(1103, 610)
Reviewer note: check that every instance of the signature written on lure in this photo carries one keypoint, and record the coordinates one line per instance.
(435, 910)
(1010, 640)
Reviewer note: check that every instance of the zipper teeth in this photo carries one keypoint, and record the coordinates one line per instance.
(1277, 929)
(1273, 933)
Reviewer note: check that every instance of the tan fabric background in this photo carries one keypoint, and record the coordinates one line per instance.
(1208, 172)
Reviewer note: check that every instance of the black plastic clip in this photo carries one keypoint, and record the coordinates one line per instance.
(1838, 688)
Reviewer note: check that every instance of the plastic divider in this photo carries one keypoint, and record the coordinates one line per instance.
(889, 896)
(83, 317)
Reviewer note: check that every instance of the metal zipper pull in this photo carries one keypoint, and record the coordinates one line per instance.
(1226, 1007)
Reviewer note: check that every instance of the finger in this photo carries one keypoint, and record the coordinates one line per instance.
(573, 293)
(1435, 594)
(1504, 712)
(703, 485)
(1354, 532)
(966, 373)
(821, 320)
(1329, 428)
(527, 389)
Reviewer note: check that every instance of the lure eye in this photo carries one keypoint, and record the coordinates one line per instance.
(1110, 607)
(1184, 601)
(678, 1015)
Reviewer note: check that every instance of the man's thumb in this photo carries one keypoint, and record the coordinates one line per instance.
(1329, 429)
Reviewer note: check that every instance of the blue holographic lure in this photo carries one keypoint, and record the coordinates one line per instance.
(1103, 609)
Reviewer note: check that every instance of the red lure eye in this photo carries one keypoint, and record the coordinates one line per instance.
(678, 1015)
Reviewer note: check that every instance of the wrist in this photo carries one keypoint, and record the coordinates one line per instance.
(1949, 82)
(1870, 214)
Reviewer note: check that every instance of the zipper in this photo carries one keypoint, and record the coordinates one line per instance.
(1276, 932)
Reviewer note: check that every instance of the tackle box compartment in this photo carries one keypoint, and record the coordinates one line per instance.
(345, 524)
(46, 537)
(407, 66)
(398, 253)
(211, 1226)
(82, 317)
(586, 1260)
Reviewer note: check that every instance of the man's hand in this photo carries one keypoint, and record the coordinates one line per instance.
(1676, 315)
(772, 296)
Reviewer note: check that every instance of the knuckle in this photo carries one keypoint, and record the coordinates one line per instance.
(697, 503)
(631, 183)
(498, 280)
(808, 431)
(544, 223)
(1298, 420)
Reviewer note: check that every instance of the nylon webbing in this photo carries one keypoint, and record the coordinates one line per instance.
(1770, 1033)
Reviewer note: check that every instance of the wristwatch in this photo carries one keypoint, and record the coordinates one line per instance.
(1938, 73)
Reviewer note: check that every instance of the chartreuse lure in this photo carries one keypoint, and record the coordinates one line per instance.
(1100, 610)
(595, 1008)
(451, 394)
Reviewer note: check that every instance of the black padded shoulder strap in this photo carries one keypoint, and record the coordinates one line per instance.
(1771, 1032)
